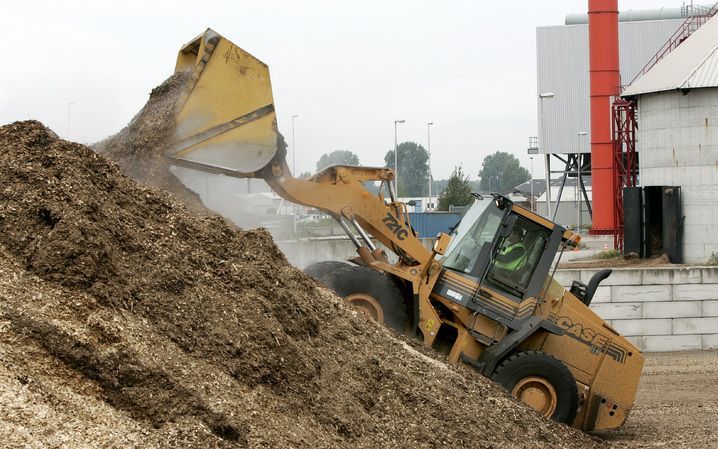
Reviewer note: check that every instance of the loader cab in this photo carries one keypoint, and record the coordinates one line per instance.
(499, 253)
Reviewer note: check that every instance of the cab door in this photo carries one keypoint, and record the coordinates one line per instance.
(517, 270)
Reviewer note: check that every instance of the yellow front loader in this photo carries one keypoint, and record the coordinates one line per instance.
(512, 323)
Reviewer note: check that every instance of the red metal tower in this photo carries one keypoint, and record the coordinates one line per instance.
(625, 162)
(605, 81)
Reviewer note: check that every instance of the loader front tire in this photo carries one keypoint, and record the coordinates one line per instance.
(320, 270)
(542, 382)
(371, 293)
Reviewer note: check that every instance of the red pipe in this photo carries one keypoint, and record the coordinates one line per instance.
(605, 81)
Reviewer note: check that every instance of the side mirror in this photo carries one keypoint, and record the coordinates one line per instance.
(442, 242)
(507, 226)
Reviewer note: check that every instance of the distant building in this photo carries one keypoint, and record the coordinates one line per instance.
(539, 187)
(563, 114)
(562, 69)
(420, 203)
(566, 213)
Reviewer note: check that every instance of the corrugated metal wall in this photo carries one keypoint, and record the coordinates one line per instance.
(562, 68)
(429, 224)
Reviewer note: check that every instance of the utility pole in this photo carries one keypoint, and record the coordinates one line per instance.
(542, 142)
(294, 149)
(396, 160)
(533, 201)
(71, 103)
(428, 144)
(579, 180)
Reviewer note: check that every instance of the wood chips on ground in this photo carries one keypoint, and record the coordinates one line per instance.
(128, 320)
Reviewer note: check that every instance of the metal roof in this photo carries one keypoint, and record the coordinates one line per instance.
(691, 65)
(637, 15)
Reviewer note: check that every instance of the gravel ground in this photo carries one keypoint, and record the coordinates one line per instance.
(677, 404)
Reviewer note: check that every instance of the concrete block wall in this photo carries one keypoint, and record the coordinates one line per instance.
(658, 309)
(678, 145)
(304, 252)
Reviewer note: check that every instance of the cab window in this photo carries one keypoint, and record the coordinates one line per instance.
(517, 258)
(463, 255)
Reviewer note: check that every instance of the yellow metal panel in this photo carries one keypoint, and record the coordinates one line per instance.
(532, 216)
(598, 357)
(226, 115)
(247, 148)
(232, 83)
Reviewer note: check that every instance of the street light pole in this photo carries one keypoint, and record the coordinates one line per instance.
(294, 149)
(71, 103)
(542, 142)
(578, 180)
(396, 160)
(428, 150)
(294, 162)
(533, 200)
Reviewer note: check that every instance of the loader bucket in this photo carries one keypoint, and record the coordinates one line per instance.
(225, 114)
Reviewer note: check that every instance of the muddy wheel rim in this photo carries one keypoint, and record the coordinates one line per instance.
(366, 305)
(538, 394)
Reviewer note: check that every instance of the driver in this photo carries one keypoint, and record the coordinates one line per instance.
(513, 256)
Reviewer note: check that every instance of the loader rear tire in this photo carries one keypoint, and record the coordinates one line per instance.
(372, 293)
(321, 270)
(542, 382)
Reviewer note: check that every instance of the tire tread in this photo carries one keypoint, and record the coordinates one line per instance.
(357, 279)
(501, 374)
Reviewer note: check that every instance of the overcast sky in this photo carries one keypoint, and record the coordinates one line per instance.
(347, 69)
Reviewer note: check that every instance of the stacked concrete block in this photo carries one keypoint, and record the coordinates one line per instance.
(659, 309)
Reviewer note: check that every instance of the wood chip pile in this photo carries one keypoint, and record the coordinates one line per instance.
(128, 320)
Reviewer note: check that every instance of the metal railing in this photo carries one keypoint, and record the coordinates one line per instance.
(699, 16)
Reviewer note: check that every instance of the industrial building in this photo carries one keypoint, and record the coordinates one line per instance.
(563, 83)
(677, 134)
(629, 95)
(563, 69)
(565, 212)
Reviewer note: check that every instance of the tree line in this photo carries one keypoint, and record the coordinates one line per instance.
(500, 172)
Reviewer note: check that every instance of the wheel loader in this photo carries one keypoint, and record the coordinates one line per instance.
(505, 317)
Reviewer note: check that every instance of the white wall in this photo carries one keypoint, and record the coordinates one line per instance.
(567, 213)
(678, 145)
(302, 253)
(658, 309)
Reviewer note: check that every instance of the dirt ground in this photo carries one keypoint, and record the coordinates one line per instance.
(629, 261)
(677, 404)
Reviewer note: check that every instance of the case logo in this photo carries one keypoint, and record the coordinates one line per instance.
(597, 342)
